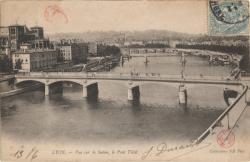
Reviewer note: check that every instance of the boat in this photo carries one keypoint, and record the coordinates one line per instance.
(229, 96)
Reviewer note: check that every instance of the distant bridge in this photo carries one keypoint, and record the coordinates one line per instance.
(163, 52)
(144, 50)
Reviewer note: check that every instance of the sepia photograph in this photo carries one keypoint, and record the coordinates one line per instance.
(133, 80)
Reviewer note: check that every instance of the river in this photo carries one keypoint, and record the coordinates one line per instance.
(112, 119)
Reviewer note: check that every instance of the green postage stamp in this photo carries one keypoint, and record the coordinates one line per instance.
(228, 17)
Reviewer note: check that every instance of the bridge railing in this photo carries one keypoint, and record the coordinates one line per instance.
(229, 117)
(157, 76)
(94, 75)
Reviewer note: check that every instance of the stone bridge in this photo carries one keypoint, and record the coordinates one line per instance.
(89, 81)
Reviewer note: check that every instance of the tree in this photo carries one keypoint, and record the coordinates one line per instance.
(106, 50)
(18, 64)
(5, 64)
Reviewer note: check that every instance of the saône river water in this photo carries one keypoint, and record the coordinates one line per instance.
(112, 118)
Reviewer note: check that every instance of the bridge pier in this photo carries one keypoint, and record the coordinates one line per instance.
(182, 95)
(133, 93)
(52, 89)
(90, 90)
(46, 91)
(210, 58)
(56, 88)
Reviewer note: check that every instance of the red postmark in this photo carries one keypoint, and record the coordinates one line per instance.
(54, 12)
(225, 138)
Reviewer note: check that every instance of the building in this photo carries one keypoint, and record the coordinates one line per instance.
(129, 43)
(4, 31)
(38, 32)
(74, 52)
(92, 48)
(84, 51)
(27, 59)
(19, 34)
(41, 43)
(4, 41)
(172, 43)
(27, 48)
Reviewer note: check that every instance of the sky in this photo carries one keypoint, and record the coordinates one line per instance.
(187, 16)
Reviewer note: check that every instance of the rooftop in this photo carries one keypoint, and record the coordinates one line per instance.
(42, 39)
(17, 25)
(36, 27)
(29, 51)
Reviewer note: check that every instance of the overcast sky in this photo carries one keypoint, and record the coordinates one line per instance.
(188, 16)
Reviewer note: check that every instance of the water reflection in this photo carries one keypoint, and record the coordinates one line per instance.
(101, 119)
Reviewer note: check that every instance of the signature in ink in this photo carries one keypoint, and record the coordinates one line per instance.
(161, 148)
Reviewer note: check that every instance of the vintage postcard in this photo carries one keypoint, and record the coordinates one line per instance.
(114, 80)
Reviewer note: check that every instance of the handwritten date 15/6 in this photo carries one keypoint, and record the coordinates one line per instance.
(28, 154)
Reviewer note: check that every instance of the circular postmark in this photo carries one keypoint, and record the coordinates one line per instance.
(230, 12)
(53, 13)
(225, 138)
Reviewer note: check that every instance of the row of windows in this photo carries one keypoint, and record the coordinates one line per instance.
(44, 58)
(22, 60)
(36, 65)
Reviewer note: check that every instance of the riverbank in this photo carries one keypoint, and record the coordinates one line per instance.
(20, 90)
(6, 78)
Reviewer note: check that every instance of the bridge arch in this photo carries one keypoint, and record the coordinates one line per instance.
(20, 81)
(162, 92)
(78, 82)
(115, 90)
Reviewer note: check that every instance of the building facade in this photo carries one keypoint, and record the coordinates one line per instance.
(38, 32)
(41, 43)
(4, 41)
(92, 48)
(19, 34)
(28, 60)
(75, 53)
(27, 48)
